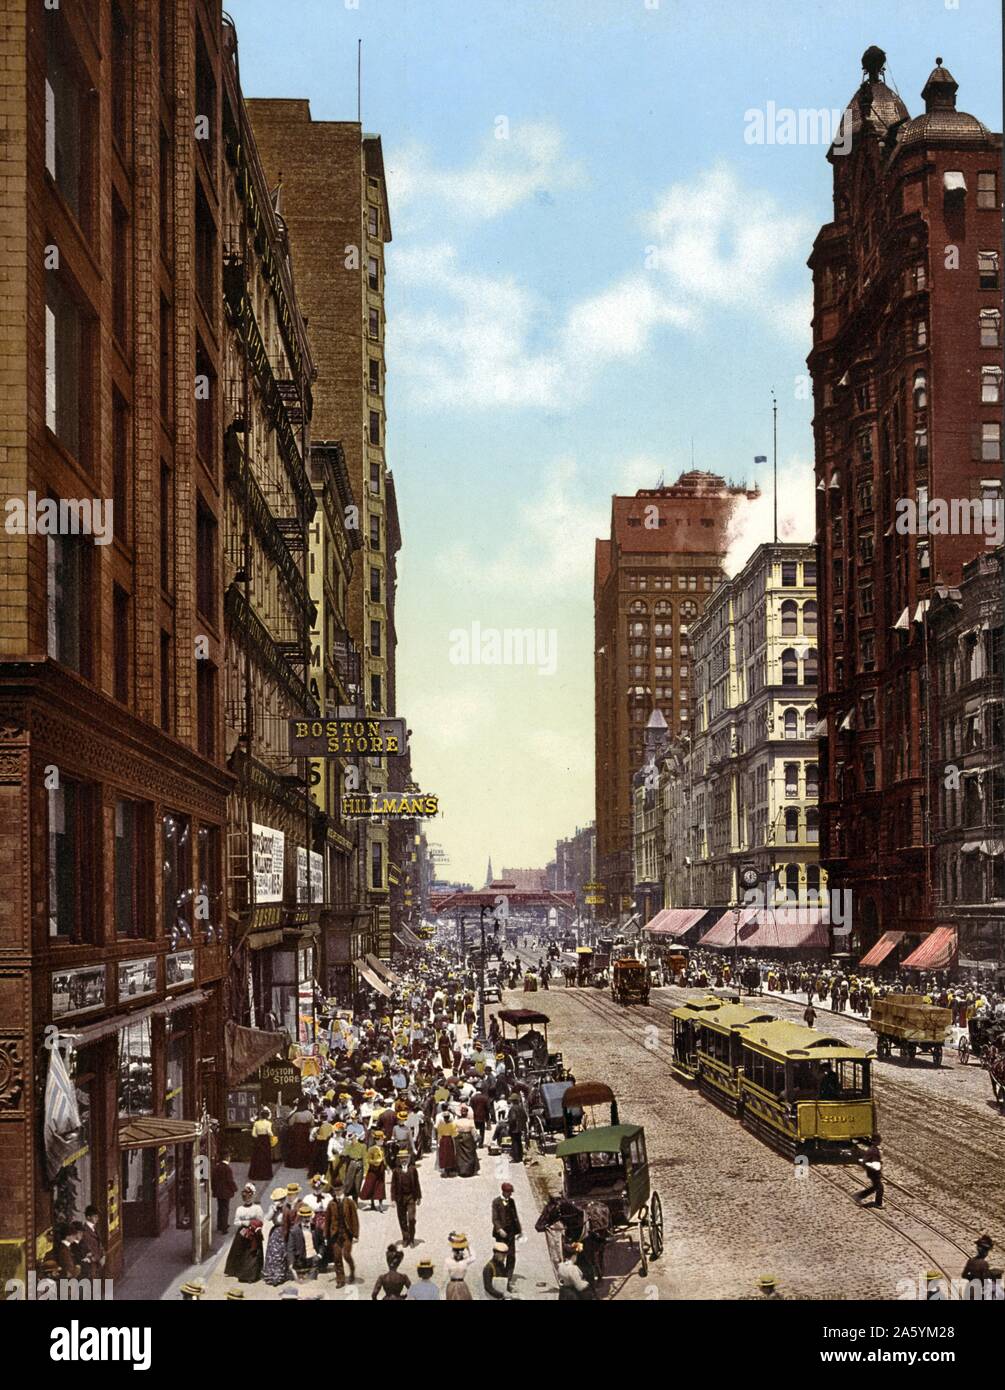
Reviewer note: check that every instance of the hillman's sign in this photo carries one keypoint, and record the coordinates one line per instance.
(393, 805)
(334, 738)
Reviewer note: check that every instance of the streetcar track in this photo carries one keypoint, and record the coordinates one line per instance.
(612, 1016)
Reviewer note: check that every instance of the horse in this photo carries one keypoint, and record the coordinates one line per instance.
(577, 1226)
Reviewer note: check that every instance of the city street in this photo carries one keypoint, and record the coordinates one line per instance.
(735, 1210)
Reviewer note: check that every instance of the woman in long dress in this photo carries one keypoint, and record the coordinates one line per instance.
(299, 1154)
(446, 1153)
(374, 1184)
(244, 1259)
(260, 1168)
(277, 1268)
(465, 1148)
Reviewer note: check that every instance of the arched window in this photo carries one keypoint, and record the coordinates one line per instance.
(688, 609)
(812, 781)
(813, 827)
(791, 826)
(791, 779)
(810, 618)
(791, 723)
(637, 606)
(792, 878)
(662, 606)
(813, 882)
(920, 390)
(790, 667)
(811, 721)
(810, 667)
(790, 618)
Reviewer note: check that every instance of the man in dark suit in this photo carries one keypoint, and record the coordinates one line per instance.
(506, 1227)
(406, 1194)
(223, 1186)
(341, 1229)
(91, 1250)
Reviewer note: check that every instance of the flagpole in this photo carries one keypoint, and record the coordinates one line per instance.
(774, 422)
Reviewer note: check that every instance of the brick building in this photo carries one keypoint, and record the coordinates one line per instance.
(113, 785)
(651, 579)
(907, 369)
(336, 212)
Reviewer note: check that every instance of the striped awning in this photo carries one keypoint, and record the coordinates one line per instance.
(766, 928)
(674, 921)
(377, 965)
(936, 951)
(878, 953)
(372, 978)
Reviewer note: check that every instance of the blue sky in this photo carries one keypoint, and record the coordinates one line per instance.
(570, 305)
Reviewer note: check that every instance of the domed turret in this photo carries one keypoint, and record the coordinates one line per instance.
(874, 104)
(941, 122)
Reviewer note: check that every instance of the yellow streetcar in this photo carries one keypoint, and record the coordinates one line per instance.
(719, 1056)
(804, 1092)
(684, 1025)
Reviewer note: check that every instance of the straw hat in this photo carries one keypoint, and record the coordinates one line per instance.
(277, 1194)
(458, 1241)
(235, 1293)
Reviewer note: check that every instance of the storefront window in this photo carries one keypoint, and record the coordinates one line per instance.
(207, 909)
(175, 1104)
(128, 880)
(136, 1075)
(177, 878)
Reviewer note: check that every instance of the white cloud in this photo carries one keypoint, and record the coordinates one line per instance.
(530, 163)
(722, 244)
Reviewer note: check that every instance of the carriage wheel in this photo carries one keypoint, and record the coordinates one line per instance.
(656, 1226)
(937, 1054)
(643, 1252)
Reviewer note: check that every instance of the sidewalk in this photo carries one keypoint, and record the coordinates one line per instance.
(448, 1204)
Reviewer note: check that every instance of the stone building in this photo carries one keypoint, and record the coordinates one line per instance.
(651, 579)
(967, 664)
(907, 370)
(113, 783)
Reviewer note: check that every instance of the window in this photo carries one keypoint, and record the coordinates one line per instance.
(920, 389)
(812, 781)
(166, 363)
(790, 724)
(129, 871)
(120, 271)
(67, 124)
(70, 860)
(176, 901)
(166, 183)
(209, 918)
(791, 826)
(813, 826)
(987, 269)
(810, 573)
(372, 220)
(166, 681)
(867, 651)
(868, 707)
(375, 533)
(810, 618)
(374, 323)
(987, 190)
(792, 779)
(869, 770)
(374, 427)
(790, 667)
(375, 703)
(374, 375)
(120, 467)
(165, 527)
(991, 385)
(205, 252)
(121, 70)
(120, 642)
(68, 577)
(990, 320)
(373, 272)
(921, 448)
(920, 333)
(374, 637)
(205, 407)
(789, 573)
(374, 585)
(790, 618)
(205, 694)
(65, 376)
(810, 667)
(205, 561)
(376, 864)
(205, 94)
(810, 721)
(991, 442)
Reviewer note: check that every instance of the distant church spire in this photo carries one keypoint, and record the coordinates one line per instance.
(488, 873)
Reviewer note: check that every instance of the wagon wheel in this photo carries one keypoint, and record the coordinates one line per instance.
(937, 1054)
(643, 1235)
(656, 1226)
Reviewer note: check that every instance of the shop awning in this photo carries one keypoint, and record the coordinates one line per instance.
(878, 953)
(375, 963)
(936, 951)
(247, 1048)
(153, 1131)
(674, 921)
(372, 978)
(408, 937)
(771, 928)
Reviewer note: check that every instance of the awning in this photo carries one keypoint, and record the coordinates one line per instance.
(820, 728)
(378, 965)
(953, 181)
(848, 722)
(903, 622)
(878, 953)
(921, 610)
(247, 1048)
(407, 937)
(764, 928)
(258, 941)
(936, 951)
(372, 978)
(674, 921)
(153, 1131)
